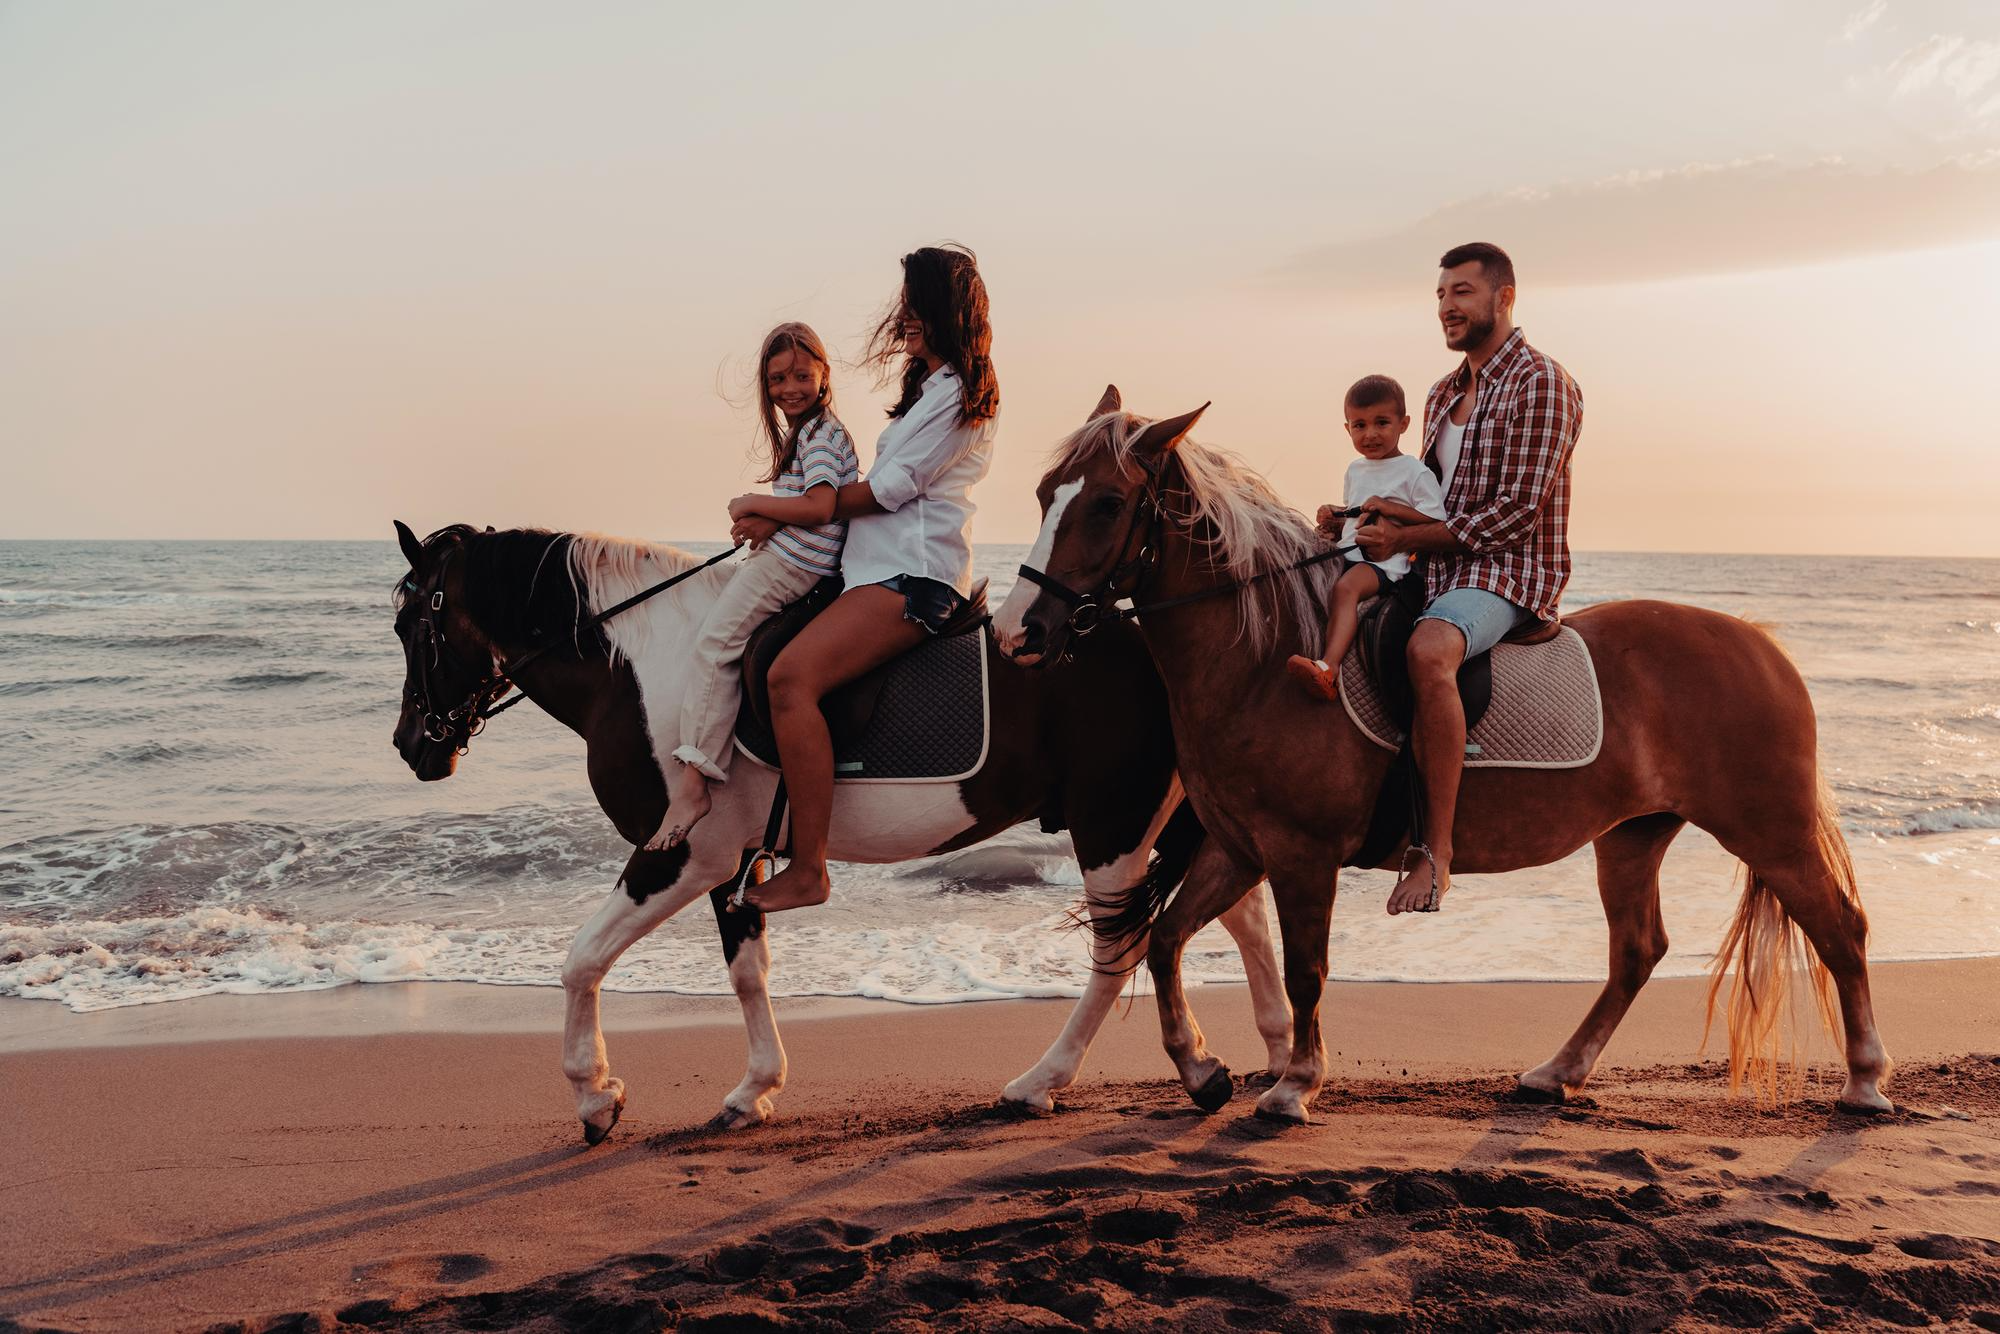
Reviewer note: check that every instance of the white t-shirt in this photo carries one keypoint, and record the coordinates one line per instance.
(925, 464)
(1451, 440)
(1398, 477)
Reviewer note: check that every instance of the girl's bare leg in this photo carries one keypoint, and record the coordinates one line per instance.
(687, 802)
(863, 629)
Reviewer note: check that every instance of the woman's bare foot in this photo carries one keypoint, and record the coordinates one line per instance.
(797, 886)
(1319, 680)
(1423, 884)
(686, 804)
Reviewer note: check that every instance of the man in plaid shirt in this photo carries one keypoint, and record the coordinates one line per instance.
(1498, 432)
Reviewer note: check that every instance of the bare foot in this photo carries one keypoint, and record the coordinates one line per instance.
(1422, 887)
(797, 886)
(686, 804)
(1318, 679)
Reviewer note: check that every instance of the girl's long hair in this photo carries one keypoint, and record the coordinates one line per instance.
(943, 291)
(779, 433)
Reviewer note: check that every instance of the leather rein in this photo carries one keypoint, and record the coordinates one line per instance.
(1091, 609)
(429, 650)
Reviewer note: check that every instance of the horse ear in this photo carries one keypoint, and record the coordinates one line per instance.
(1161, 437)
(1111, 402)
(412, 548)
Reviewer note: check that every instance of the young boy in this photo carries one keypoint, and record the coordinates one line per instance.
(1394, 486)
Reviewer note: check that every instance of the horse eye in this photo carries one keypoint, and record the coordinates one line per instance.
(1107, 507)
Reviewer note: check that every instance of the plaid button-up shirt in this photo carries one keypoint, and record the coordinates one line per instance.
(1509, 500)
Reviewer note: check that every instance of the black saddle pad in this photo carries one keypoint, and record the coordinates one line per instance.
(922, 716)
(1383, 639)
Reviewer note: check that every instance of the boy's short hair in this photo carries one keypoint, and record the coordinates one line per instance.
(1372, 389)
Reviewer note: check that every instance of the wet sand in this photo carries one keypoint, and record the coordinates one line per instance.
(405, 1156)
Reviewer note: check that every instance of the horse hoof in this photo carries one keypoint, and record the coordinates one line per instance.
(1261, 1079)
(1021, 1109)
(1284, 1116)
(1529, 1093)
(1865, 1108)
(1215, 1091)
(592, 1136)
(732, 1118)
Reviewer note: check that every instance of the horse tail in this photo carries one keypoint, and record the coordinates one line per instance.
(1131, 911)
(1769, 952)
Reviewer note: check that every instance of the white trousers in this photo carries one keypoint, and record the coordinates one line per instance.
(762, 583)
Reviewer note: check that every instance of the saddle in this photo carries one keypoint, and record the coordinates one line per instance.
(940, 667)
(1381, 644)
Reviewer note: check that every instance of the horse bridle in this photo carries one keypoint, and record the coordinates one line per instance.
(486, 698)
(1091, 609)
(430, 650)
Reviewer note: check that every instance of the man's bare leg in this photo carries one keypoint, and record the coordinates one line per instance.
(1437, 648)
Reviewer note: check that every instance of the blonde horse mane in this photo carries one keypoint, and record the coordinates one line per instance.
(1239, 517)
(606, 570)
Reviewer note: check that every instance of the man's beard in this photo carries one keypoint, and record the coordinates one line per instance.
(1476, 332)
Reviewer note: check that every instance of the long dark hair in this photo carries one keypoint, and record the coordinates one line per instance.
(943, 291)
(784, 439)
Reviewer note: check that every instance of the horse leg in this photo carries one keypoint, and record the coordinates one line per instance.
(1304, 898)
(747, 950)
(1106, 891)
(653, 887)
(1250, 927)
(1803, 864)
(1628, 882)
(1215, 882)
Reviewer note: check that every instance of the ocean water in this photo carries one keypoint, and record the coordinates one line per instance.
(197, 795)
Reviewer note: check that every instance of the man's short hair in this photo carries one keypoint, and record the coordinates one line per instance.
(1492, 261)
(1369, 390)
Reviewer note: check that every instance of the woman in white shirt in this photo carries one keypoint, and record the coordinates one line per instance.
(908, 559)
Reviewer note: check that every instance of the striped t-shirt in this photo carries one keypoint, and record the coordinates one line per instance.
(824, 457)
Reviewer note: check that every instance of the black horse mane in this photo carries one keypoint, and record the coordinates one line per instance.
(518, 587)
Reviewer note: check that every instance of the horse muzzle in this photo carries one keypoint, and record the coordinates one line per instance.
(429, 760)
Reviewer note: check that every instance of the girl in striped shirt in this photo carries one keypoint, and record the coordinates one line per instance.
(811, 459)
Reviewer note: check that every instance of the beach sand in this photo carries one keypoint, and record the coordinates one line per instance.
(405, 1156)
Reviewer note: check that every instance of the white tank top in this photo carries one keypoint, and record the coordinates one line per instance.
(1450, 440)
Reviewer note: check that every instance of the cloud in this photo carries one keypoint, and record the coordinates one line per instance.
(1965, 68)
(1703, 218)
(1861, 20)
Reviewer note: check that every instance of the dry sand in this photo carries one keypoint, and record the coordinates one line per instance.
(405, 1157)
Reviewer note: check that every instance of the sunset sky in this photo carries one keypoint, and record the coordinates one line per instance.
(293, 271)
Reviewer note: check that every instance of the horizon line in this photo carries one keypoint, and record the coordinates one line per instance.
(710, 542)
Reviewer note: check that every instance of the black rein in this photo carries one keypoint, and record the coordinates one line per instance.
(489, 698)
(1089, 610)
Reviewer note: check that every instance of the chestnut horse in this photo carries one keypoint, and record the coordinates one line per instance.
(1092, 752)
(1706, 722)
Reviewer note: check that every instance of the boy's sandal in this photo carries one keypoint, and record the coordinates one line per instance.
(1314, 675)
(1431, 903)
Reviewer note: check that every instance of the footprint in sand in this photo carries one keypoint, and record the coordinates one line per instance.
(447, 1267)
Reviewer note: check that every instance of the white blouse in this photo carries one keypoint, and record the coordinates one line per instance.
(925, 464)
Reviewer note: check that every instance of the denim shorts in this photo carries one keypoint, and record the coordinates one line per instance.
(1483, 618)
(928, 602)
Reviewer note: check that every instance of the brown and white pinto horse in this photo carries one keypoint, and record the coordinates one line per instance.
(1092, 750)
(1706, 722)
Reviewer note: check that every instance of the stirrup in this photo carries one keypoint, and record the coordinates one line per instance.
(767, 857)
(1431, 903)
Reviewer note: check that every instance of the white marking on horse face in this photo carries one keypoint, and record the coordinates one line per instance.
(1010, 626)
